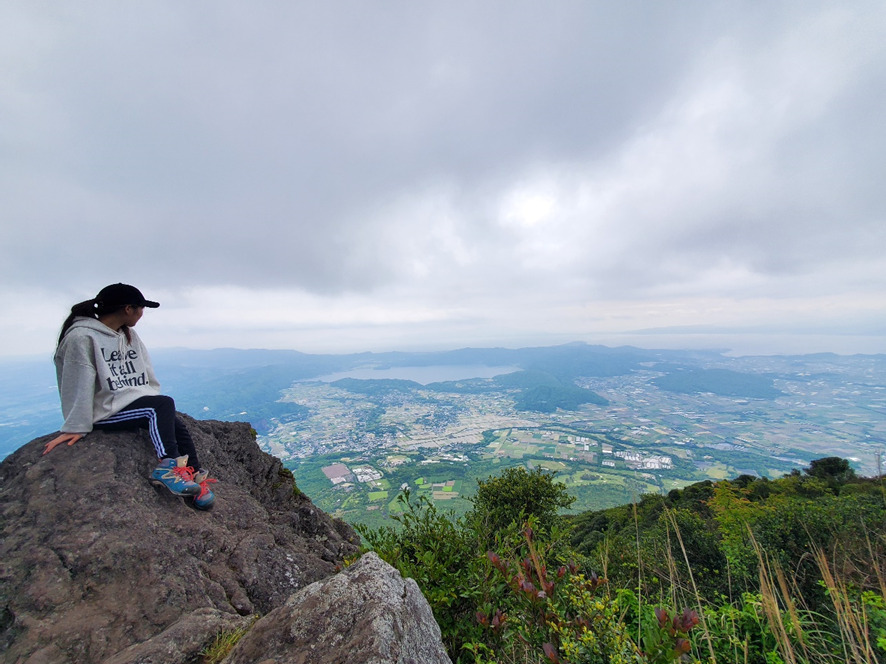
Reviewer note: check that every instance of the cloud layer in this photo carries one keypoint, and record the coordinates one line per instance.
(351, 176)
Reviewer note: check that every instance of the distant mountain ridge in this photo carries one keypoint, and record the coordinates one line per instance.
(537, 391)
(233, 384)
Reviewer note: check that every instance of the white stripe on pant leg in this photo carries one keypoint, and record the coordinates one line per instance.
(149, 414)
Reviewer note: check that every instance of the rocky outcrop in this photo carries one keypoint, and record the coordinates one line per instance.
(98, 565)
(367, 614)
(179, 643)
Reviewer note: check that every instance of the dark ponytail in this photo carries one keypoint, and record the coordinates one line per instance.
(85, 308)
(89, 309)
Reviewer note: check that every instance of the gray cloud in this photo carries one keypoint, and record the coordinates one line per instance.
(451, 155)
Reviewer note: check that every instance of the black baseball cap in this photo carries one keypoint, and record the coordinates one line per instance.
(119, 295)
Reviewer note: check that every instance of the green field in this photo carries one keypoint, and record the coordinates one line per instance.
(593, 466)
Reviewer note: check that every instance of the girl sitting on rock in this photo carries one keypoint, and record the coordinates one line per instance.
(106, 381)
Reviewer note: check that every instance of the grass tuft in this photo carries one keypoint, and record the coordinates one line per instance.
(223, 643)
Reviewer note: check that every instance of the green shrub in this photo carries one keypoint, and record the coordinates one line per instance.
(438, 552)
(514, 496)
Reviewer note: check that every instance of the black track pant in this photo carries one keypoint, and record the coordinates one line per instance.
(156, 414)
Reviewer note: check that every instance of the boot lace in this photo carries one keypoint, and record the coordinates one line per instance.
(184, 473)
(204, 486)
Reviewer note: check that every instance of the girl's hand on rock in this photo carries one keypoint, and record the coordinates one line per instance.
(69, 438)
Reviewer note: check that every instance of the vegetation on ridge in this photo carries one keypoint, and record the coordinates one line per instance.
(747, 570)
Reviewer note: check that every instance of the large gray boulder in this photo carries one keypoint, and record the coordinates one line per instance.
(94, 560)
(367, 614)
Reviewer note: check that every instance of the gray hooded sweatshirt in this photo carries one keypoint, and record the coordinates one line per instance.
(100, 373)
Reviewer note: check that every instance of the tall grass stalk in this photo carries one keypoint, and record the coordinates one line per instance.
(854, 628)
(770, 604)
(639, 573)
(673, 574)
(701, 614)
(878, 572)
(792, 608)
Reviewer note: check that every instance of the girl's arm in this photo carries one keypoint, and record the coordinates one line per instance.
(76, 386)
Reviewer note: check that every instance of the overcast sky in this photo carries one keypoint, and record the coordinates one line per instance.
(350, 176)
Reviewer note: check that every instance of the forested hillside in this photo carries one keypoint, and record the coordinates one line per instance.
(741, 570)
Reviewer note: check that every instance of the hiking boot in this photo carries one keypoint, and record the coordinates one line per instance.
(175, 475)
(206, 498)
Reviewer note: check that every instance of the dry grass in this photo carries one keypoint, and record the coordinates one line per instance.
(802, 635)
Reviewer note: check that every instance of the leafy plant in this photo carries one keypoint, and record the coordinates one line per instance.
(515, 495)
(563, 615)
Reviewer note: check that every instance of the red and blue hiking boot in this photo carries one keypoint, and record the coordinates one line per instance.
(206, 498)
(176, 475)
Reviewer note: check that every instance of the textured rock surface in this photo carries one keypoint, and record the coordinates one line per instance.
(367, 614)
(178, 643)
(93, 559)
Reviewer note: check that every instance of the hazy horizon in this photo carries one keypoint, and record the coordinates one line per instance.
(729, 345)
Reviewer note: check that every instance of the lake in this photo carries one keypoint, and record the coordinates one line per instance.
(422, 375)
